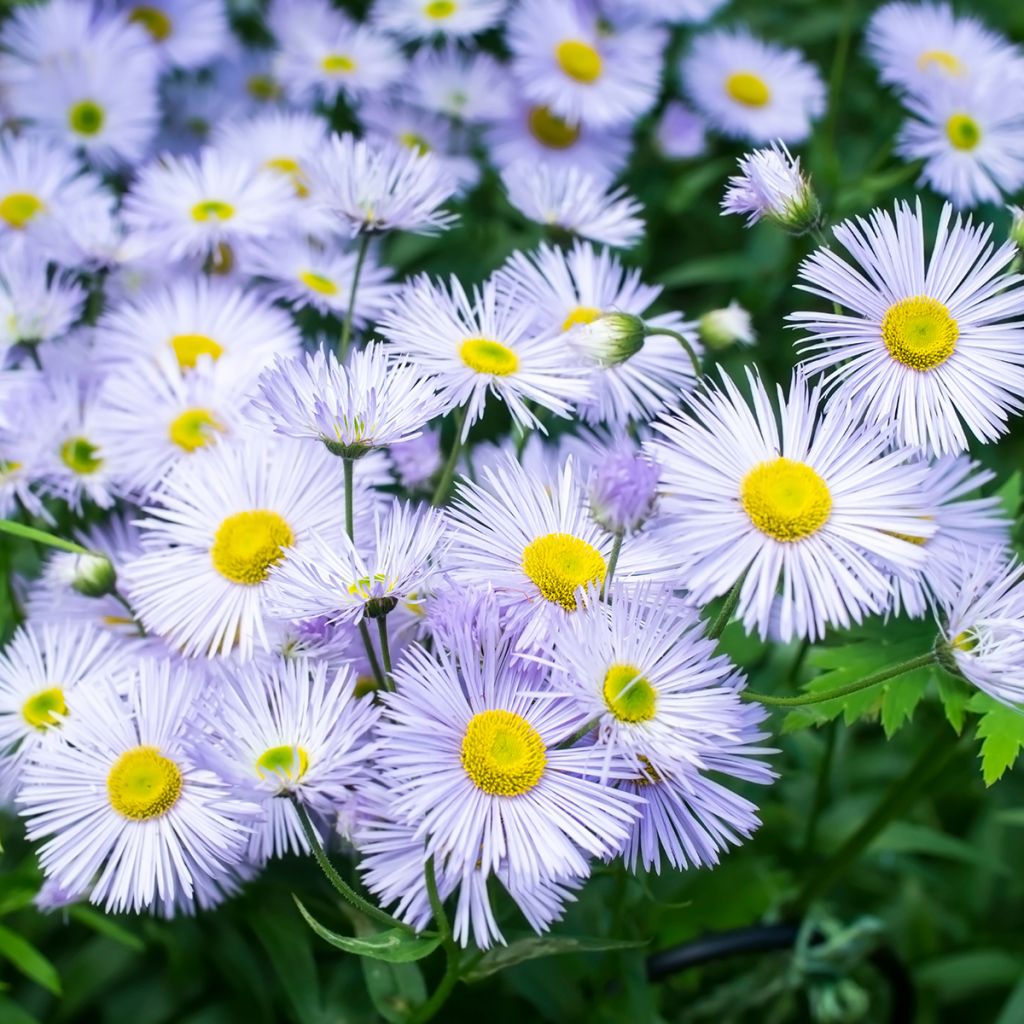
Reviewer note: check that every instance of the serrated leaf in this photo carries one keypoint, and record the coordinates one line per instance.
(955, 697)
(29, 960)
(901, 697)
(502, 957)
(1001, 730)
(395, 946)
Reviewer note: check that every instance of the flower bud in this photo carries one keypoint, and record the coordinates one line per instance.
(610, 339)
(1017, 226)
(623, 490)
(722, 328)
(771, 185)
(92, 575)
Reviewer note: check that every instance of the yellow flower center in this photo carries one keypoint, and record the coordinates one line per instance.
(153, 20)
(247, 544)
(318, 283)
(290, 168)
(919, 332)
(194, 428)
(338, 64)
(942, 59)
(747, 88)
(212, 209)
(8, 468)
(963, 132)
(86, 118)
(551, 130)
(502, 753)
(579, 60)
(413, 141)
(263, 88)
(18, 208)
(559, 564)
(580, 315)
(289, 763)
(42, 709)
(144, 784)
(629, 696)
(189, 347)
(786, 500)
(439, 9)
(965, 641)
(486, 356)
(79, 455)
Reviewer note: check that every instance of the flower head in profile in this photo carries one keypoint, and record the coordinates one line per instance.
(771, 185)
(730, 325)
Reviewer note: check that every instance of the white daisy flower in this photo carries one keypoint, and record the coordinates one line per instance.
(972, 142)
(918, 45)
(225, 518)
(190, 206)
(474, 344)
(465, 86)
(371, 402)
(807, 502)
(750, 89)
(422, 19)
(187, 33)
(575, 202)
(417, 461)
(932, 344)
(292, 733)
(196, 319)
(569, 289)
(671, 12)
(35, 304)
(382, 187)
(622, 483)
(123, 804)
(771, 185)
(51, 32)
(565, 58)
(679, 133)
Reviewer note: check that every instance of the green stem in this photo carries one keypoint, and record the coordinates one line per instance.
(41, 537)
(452, 952)
(652, 332)
(346, 324)
(123, 601)
(371, 656)
(835, 87)
(613, 560)
(444, 485)
(725, 615)
(339, 883)
(350, 519)
(841, 691)
(385, 652)
(820, 798)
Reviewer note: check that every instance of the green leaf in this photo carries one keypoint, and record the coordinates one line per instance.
(12, 1013)
(1013, 1009)
(41, 537)
(907, 837)
(1009, 494)
(29, 960)
(395, 946)
(290, 949)
(502, 957)
(1001, 730)
(900, 697)
(955, 696)
(105, 925)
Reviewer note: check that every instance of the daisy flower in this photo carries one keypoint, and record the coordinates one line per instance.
(124, 801)
(474, 344)
(51, 32)
(984, 627)
(805, 502)
(348, 583)
(931, 343)
(226, 517)
(471, 752)
(35, 304)
(771, 185)
(575, 202)
(292, 733)
(380, 186)
(916, 46)
(417, 461)
(186, 33)
(749, 89)
(679, 133)
(196, 319)
(465, 86)
(565, 58)
(971, 141)
(622, 484)
(190, 206)
(569, 289)
(672, 12)
(421, 19)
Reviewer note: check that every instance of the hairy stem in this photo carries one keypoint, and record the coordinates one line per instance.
(346, 324)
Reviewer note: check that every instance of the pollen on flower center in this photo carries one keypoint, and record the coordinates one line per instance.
(338, 64)
(18, 208)
(318, 283)
(551, 130)
(212, 209)
(439, 9)
(628, 694)
(247, 544)
(288, 763)
(79, 455)
(502, 753)
(262, 87)
(747, 88)
(42, 709)
(580, 315)
(943, 59)
(153, 20)
(289, 168)
(559, 564)
(86, 118)
(411, 140)
(143, 784)
(963, 132)
(786, 500)
(919, 332)
(189, 347)
(487, 356)
(579, 60)
(194, 428)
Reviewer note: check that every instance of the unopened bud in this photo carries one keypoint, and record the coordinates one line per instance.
(771, 185)
(610, 339)
(722, 328)
(93, 575)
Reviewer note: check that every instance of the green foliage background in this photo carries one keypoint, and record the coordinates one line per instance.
(939, 884)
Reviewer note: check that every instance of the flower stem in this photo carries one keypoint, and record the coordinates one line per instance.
(339, 883)
(725, 615)
(803, 699)
(346, 324)
(350, 520)
(613, 560)
(651, 332)
(444, 485)
(385, 652)
(451, 951)
(41, 537)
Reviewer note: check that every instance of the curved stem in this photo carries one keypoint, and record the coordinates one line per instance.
(123, 601)
(339, 883)
(385, 652)
(41, 537)
(613, 560)
(841, 691)
(651, 332)
(725, 615)
(346, 324)
(452, 952)
(444, 485)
